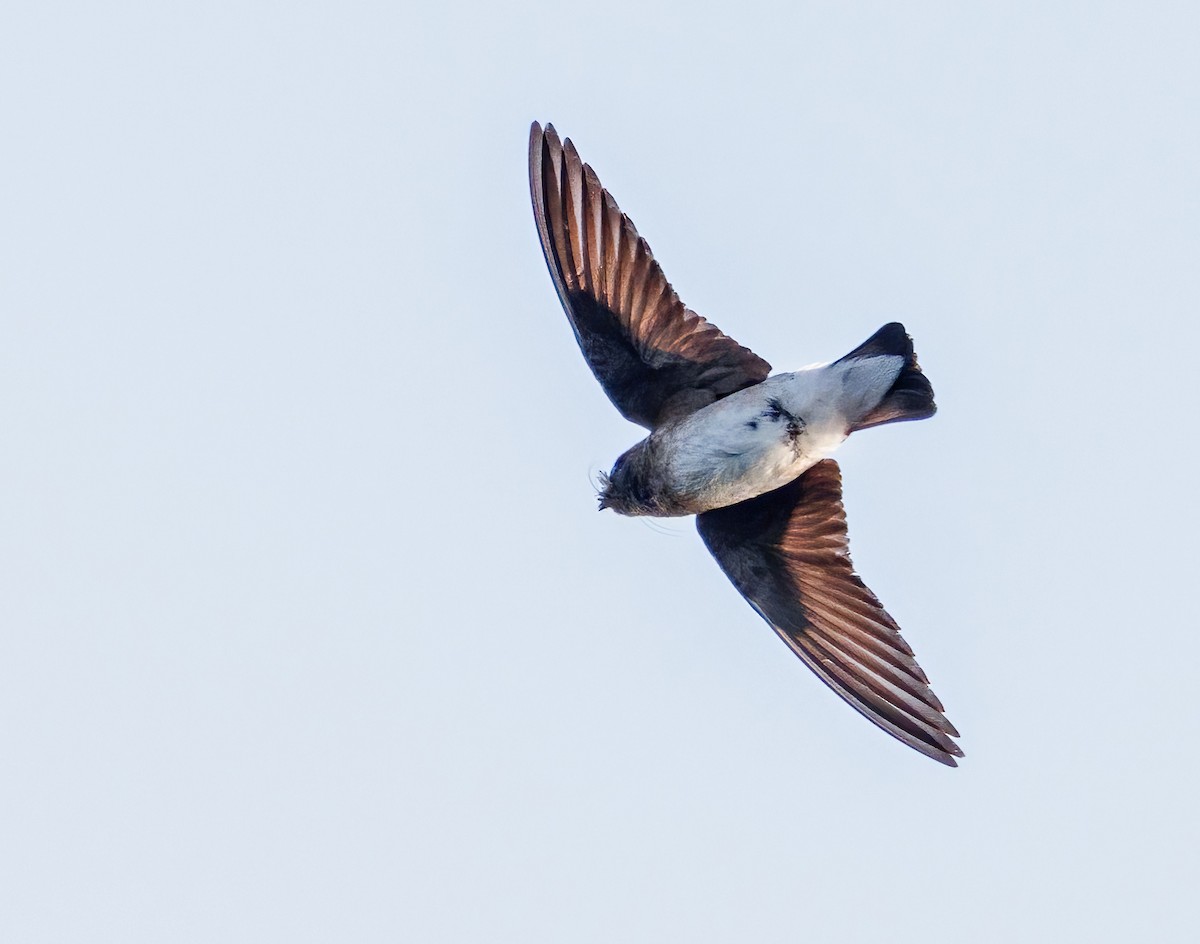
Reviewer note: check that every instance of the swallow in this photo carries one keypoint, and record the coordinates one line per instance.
(743, 450)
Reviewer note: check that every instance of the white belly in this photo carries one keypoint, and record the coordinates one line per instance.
(755, 440)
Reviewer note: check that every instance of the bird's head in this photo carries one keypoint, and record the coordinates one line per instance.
(625, 489)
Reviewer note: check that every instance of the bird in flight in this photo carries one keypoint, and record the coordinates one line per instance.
(744, 451)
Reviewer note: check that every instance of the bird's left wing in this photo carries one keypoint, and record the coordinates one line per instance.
(788, 554)
(655, 358)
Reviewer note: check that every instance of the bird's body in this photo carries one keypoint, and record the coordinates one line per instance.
(748, 443)
(744, 451)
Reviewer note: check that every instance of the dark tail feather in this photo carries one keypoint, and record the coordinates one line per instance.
(910, 396)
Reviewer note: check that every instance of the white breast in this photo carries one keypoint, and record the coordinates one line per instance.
(757, 439)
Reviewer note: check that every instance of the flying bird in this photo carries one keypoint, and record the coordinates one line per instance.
(742, 449)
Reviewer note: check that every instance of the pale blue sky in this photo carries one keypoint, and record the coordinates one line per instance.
(311, 629)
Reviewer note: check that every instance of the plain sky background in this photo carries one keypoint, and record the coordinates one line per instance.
(311, 631)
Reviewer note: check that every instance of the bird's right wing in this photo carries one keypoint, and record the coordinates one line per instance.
(655, 358)
(788, 554)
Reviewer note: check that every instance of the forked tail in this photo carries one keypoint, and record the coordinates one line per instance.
(910, 397)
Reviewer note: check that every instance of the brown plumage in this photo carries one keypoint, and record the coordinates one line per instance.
(654, 357)
(788, 553)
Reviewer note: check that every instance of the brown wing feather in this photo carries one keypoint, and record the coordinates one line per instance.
(787, 552)
(655, 358)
